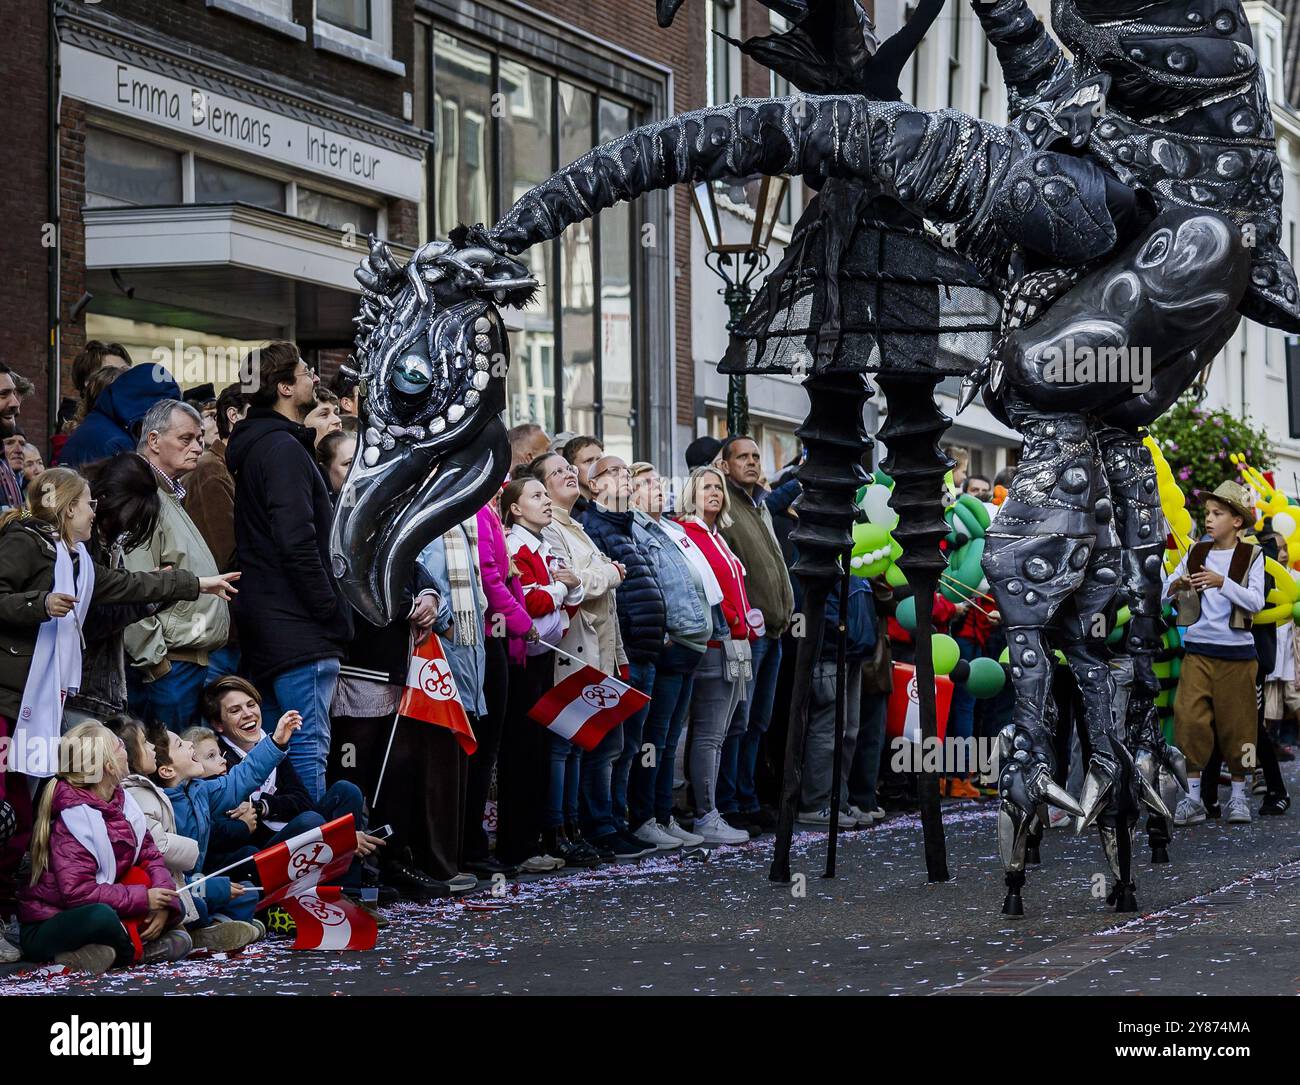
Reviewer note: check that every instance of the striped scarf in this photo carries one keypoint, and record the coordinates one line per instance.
(468, 602)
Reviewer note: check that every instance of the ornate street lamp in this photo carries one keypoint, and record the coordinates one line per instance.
(738, 256)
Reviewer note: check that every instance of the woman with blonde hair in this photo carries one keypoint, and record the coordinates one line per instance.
(48, 580)
(723, 673)
(100, 893)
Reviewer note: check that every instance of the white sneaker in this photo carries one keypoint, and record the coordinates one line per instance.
(878, 814)
(1057, 819)
(1190, 811)
(1238, 810)
(8, 953)
(690, 840)
(540, 864)
(860, 816)
(822, 818)
(714, 830)
(653, 833)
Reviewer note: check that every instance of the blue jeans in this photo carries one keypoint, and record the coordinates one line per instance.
(309, 689)
(222, 662)
(865, 773)
(213, 899)
(761, 694)
(566, 776)
(172, 700)
(597, 803)
(641, 676)
(961, 715)
(650, 787)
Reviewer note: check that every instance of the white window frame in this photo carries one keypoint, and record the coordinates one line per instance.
(275, 15)
(376, 50)
(711, 44)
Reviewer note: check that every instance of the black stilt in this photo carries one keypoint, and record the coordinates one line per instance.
(912, 430)
(837, 761)
(834, 440)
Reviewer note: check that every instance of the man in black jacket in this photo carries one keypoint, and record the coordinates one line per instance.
(642, 616)
(294, 624)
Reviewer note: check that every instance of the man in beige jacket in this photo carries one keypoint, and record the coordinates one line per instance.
(169, 650)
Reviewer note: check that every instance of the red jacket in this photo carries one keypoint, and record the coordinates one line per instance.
(541, 594)
(68, 880)
(730, 573)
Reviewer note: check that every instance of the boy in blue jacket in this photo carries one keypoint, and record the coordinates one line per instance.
(196, 800)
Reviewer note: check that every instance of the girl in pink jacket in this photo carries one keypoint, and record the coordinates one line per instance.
(100, 893)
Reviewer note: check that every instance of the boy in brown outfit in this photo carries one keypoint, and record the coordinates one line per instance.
(1218, 586)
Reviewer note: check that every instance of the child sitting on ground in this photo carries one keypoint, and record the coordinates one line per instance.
(231, 836)
(280, 807)
(100, 892)
(180, 853)
(199, 800)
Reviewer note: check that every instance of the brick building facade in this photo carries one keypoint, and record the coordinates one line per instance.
(199, 212)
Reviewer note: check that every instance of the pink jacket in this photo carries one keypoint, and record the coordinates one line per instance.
(68, 880)
(505, 595)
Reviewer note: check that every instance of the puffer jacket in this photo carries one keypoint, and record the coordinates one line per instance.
(594, 635)
(197, 802)
(68, 880)
(180, 853)
(27, 551)
(641, 612)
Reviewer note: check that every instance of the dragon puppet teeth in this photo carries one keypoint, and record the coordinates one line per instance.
(471, 398)
(483, 342)
(371, 455)
(480, 380)
(437, 426)
(455, 413)
(482, 324)
(372, 435)
(480, 361)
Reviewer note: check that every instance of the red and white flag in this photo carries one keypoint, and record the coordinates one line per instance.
(431, 695)
(328, 920)
(586, 706)
(301, 863)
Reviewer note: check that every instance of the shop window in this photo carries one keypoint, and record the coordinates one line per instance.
(502, 125)
(337, 213)
(124, 172)
(215, 182)
(462, 104)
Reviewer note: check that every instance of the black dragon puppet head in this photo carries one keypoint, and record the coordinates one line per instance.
(432, 356)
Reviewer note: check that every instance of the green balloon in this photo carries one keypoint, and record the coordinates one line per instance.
(986, 678)
(905, 614)
(945, 652)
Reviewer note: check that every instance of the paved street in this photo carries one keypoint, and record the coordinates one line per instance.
(1224, 917)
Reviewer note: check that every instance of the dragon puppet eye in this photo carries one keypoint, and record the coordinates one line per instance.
(412, 375)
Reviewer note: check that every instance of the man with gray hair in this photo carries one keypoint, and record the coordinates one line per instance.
(169, 650)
